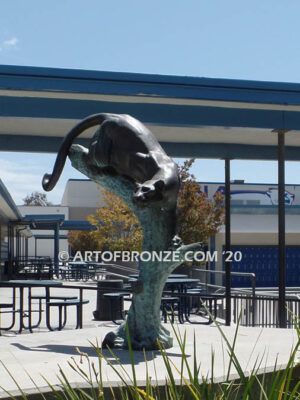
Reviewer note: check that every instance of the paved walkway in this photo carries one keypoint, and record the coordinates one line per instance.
(42, 352)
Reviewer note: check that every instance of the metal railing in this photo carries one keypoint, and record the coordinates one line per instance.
(33, 267)
(250, 275)
(263, 310)
(256, 306)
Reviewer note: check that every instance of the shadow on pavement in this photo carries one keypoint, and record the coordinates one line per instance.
(123, 356)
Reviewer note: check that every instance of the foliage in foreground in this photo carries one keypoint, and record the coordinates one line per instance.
(276, 385)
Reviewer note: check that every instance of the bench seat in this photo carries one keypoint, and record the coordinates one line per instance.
(62, 311)
(69, 302)
(41, 297)
(12, 311)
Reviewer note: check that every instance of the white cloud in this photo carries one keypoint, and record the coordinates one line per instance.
(10, 42)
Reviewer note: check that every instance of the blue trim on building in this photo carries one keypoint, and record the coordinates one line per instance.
(260, 209)
(49, 237)
(50, 221)
(267, 206)
(28, 143)
(44, 144)
(152, 113)
(44, 221)
(119, 83)
(212, 183)
(45, 217)
(77, 225)
(156, 86)
(228, 150)
(246, 184)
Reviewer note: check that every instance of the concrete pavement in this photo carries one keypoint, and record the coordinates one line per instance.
(33, 355)
(41, 354)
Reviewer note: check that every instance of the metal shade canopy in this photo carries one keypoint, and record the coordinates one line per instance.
(201, 117)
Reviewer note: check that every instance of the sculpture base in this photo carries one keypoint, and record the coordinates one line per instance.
(118, 339)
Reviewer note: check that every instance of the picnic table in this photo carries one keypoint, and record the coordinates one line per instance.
(28, 284)
(61, 303)
(177, 286)
(81, 270)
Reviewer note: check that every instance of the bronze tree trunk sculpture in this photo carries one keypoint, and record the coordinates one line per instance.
(125, 158)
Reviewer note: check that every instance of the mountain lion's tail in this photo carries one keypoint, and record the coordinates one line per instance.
(49, 180)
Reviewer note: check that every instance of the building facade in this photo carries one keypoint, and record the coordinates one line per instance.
(254, 232)
(82, 197)
(41, 244)
(254, 227)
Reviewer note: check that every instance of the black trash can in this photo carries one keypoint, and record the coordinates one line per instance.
(103, 311)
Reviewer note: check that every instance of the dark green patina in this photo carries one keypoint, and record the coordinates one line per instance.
(125, 158)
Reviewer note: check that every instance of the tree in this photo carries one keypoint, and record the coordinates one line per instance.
(82, 241)
(117, 226)
(198, 217)
(36, 199)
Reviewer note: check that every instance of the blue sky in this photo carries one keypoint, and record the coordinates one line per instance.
(257, 40)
